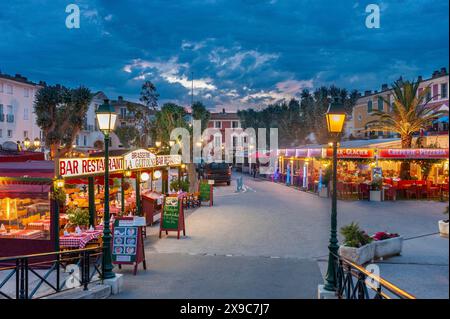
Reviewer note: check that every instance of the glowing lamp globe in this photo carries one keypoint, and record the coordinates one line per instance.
(106, 117)
(335, 117)
(145, 177)
(157, 174)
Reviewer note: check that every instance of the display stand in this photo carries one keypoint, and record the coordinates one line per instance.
(172, 216)
(128, 243)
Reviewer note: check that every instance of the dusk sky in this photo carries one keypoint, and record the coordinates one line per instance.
(242, 53)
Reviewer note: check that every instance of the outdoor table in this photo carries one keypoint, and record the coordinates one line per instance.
(40, 225)
(78, 241)
(23, 234)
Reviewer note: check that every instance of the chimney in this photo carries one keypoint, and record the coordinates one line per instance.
(443, 71)
(223, 111)
(435, 74)
(120, 98)
(420, 78)
(18, 75)
(368, 92)
(384, 87)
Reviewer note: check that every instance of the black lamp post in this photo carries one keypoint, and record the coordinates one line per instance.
(335, 123)
(106, 117)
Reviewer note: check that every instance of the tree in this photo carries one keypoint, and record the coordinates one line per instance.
(60, 113)
(410, 113)
(199, 112)
(127, 135)
(169, 117)
(143, 125)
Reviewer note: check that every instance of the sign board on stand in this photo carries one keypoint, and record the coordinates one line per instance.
(128, 243)
(172, 216)
(206, 192)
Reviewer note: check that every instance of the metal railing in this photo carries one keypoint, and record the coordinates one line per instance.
(42, 275)
(356, 282)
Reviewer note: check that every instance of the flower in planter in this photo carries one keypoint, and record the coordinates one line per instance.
(354, 236)
(384, 235)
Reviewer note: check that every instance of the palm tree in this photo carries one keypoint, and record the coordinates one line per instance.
(409, 114)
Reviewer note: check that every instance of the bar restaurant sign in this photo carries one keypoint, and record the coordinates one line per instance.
(139, 159)
(70, 167)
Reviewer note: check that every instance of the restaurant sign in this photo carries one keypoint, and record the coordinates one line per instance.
(351, 152)
(139, 159)
(70, 167)
(166, 160)
(414, 153)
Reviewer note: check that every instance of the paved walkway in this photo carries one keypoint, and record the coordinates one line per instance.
(271, 240)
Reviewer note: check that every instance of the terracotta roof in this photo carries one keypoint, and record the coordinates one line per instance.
(224, 116)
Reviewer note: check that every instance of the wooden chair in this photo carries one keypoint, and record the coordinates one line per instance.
(412, 191)
(363, 191)
(390, 193)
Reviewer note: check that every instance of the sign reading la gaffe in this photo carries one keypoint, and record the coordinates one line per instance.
(351, 152)
(140, 158)
(70, 167)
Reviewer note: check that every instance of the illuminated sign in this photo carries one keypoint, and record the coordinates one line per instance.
(139, 159)
(69, 167)
(166, 160)
(351, 152)
(414, 153)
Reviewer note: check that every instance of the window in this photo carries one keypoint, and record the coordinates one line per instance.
(84, 140)
(235, 124)
(1, 133)
(9, 133)
(9, 89)
(217, 140)
(25, 114)
(359, 118)
(217, 124)
(235, 141)
(435, 92)
(1, 87)
(25, 134)
(26, 92)
(380, 103)
(77, 140)
(444, 91)
(123, 112)
(369, 106)
(2, 115)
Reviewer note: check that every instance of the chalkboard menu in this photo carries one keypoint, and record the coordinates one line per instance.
(171, 213)
(125, 241)
(205, 191)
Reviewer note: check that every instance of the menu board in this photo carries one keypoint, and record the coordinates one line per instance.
(171, 213)
(125, 241)
(205, 191)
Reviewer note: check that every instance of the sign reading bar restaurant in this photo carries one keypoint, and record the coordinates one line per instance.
(69, 167)
(351, 152)
(139, 159)
(165, 160)
(414, 153)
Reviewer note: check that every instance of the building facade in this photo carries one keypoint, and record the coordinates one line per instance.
(371, 101)
(17, 119)
(222, 121)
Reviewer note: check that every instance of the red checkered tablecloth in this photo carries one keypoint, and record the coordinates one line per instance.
(23, 234)
(42, 225)
(78, 241)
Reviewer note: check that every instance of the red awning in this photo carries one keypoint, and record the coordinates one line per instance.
(40, 169)
(24, 191)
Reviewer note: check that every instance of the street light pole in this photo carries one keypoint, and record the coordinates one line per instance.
(106, 120)
(335, 122)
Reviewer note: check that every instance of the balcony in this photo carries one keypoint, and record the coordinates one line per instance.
(10, 118)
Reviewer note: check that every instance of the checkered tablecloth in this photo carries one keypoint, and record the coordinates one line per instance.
(23, 234)
(40, 225)
(78, 241)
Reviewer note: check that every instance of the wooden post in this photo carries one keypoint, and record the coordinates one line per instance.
(122, 182)
(91, 196)
(138, 193)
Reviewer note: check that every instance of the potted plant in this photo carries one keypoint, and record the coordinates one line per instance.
(357, 245)
(78, 217)
(325, 182)
(181, 185)
(376, 187)
(443, 225)
(387, 244)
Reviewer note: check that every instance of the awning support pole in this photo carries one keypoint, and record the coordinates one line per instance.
(91, 196)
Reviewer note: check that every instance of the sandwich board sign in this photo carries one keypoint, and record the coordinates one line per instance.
(172, 216)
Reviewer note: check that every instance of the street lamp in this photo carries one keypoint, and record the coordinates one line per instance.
(26, 143)
(37, 143)
(335, 123)
(158, 144)
(171, 143)
(106, 117)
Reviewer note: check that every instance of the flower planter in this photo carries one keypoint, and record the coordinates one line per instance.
(376, 196)
(359, 255)
(388, 247)
(323, 192)
(443, 228)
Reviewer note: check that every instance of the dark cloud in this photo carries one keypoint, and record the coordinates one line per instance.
(241, 52)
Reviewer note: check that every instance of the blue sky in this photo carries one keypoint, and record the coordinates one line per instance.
(242, 53)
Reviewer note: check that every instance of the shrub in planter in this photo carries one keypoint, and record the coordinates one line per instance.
(78, 217)
(357, 245)
(387, 244)
(443, 225)
(376, 187)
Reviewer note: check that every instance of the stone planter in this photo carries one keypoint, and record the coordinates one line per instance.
(388, 247)
(443, 228)
(323, 192)
(376, 196)
(359, 255)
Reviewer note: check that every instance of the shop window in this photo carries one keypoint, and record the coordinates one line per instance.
(25, 218)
